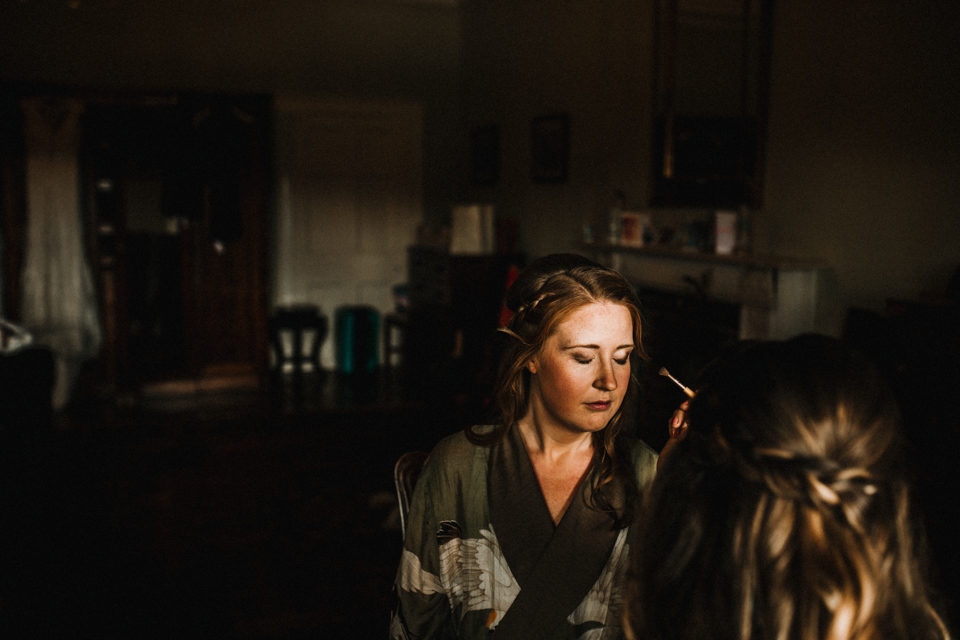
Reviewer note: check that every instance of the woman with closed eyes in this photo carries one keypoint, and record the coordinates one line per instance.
(522, 528)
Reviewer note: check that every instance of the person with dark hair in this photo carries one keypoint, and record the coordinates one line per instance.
(522, 527)
(784, 512)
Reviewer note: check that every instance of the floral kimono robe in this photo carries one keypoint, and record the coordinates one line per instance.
(482, 555)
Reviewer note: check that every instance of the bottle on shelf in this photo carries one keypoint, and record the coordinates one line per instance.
(613, 222)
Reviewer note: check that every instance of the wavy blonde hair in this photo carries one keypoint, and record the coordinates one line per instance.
(785, 513)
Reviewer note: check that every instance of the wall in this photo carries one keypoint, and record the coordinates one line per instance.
(863, 145)
(526, 58)
(407, 49)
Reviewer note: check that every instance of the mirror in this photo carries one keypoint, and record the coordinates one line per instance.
(711, 76)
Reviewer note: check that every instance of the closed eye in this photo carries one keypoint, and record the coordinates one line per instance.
(625, 358)
(619, 361)
(589, 356)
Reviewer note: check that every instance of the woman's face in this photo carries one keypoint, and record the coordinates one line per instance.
(581, 374)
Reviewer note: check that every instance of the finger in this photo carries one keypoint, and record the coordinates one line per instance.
(678, 423)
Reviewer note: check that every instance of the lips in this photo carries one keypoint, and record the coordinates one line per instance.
(600, 406)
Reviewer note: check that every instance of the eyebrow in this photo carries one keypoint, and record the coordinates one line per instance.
(595, 346)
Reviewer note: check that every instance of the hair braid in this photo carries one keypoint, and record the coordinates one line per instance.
(785, 512)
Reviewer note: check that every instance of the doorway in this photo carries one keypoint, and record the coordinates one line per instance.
(349, 199)
(176, 196)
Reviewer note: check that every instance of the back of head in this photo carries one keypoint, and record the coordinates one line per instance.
(784, 513)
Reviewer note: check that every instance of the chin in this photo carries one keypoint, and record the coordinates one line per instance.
(594, 427)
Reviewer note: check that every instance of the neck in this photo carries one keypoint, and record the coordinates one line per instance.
(543, 436)
(560, 458)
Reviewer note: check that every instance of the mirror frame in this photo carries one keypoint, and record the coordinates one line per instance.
(710, 159)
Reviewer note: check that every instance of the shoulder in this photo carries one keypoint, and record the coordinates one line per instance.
(458, 444)
(456, 453)
(643, 460)
(454, 481)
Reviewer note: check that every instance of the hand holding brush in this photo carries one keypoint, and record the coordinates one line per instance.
(678, 422)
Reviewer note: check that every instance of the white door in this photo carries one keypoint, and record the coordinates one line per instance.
(349, 181)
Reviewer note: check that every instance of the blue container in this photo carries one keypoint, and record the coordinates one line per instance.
(358, 339)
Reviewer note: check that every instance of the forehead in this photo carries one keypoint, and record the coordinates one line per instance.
(596, 322)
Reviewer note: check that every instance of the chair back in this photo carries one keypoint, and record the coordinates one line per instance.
(405, 473)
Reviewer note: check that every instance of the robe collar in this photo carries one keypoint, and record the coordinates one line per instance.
(555, 566)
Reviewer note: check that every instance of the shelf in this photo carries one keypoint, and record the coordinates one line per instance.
(672, 253)
(778, 297)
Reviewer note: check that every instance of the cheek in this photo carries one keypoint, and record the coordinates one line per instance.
(564, 383)
(623, 377)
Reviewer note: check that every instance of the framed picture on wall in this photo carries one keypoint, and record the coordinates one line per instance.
(485, 154)
(550, 148)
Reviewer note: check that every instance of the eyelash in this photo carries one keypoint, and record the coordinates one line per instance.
(619, 361)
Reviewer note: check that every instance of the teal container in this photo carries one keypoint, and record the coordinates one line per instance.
(357, 331)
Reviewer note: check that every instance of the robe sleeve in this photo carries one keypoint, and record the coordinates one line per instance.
(422, 607)
(644, 464)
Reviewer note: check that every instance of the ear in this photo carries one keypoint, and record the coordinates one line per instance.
(532, 366)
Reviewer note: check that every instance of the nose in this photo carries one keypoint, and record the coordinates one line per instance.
(606, 379)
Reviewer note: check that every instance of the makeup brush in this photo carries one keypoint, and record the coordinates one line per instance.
(687, 390)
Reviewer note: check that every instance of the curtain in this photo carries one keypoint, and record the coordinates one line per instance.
(59, 303)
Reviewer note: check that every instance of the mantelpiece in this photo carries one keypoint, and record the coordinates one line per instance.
(777, 296)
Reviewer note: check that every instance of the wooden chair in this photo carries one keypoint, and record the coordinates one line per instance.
(300, 321)
(405, 473)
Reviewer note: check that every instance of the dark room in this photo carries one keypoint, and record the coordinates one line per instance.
(251, 253)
